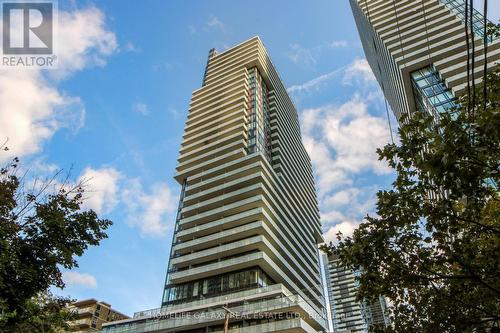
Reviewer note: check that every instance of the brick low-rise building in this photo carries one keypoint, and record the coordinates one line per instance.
(92, 314)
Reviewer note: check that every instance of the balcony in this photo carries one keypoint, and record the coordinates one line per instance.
(163, 319)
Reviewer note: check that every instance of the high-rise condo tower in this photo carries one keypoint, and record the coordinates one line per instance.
(247, 229)
(417, 50)
(348, 314)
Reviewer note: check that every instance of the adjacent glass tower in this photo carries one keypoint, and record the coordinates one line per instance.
(348, 315)
(248, 225)
(418, 52)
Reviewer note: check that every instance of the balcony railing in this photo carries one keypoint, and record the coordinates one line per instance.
(161, 318)
(458, 8)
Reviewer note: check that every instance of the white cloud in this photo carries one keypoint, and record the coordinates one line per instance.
(41, 168)
(32, 108)
(141, 108)
(214, 22)
(192, 29)
(130, 47)
(358, 70)
(342, 140)
(152, 211)
(84, 40)
(355, 135)
(328, 176)
(308, 56)
(332, 217)
(299, 54)
(174, 112)
(101, 189)
(337, 44)
(343, 197)
(315, 83)
(350, 203)
(346, 228)
(79, 279)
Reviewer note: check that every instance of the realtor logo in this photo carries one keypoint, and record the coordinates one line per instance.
(28, 29)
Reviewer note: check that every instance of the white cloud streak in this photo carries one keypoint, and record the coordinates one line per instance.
(338, 44)
(72, 278)
(357, 72)
(299, 54)
(141, 108)
(315, 83)
(215, 22)
(308, 56)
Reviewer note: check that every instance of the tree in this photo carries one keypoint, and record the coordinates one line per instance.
(42, 313)
(42, 229)
(434, 248)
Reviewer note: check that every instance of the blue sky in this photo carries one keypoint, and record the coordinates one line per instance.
(114, 111)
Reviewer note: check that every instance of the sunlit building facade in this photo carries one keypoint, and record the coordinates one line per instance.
(418, 51)
(91, 314)
(247, 227)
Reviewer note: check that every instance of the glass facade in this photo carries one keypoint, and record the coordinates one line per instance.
(171, 269)
(375, 313)
(217, 285)
(348, 314)
(457, 7)
(258, 104)
(430, 92)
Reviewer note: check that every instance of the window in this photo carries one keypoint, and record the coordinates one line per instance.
(230, 282)
(259, 120)
(430, 92)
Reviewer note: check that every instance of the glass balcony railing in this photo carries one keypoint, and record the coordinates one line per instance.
(158, 319)
(458, 8)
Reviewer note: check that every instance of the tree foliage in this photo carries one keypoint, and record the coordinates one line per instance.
(434, 248)
(42, 313)
(42, 229)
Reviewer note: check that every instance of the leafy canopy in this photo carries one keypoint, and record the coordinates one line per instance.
(42, 229)
(434, 247)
